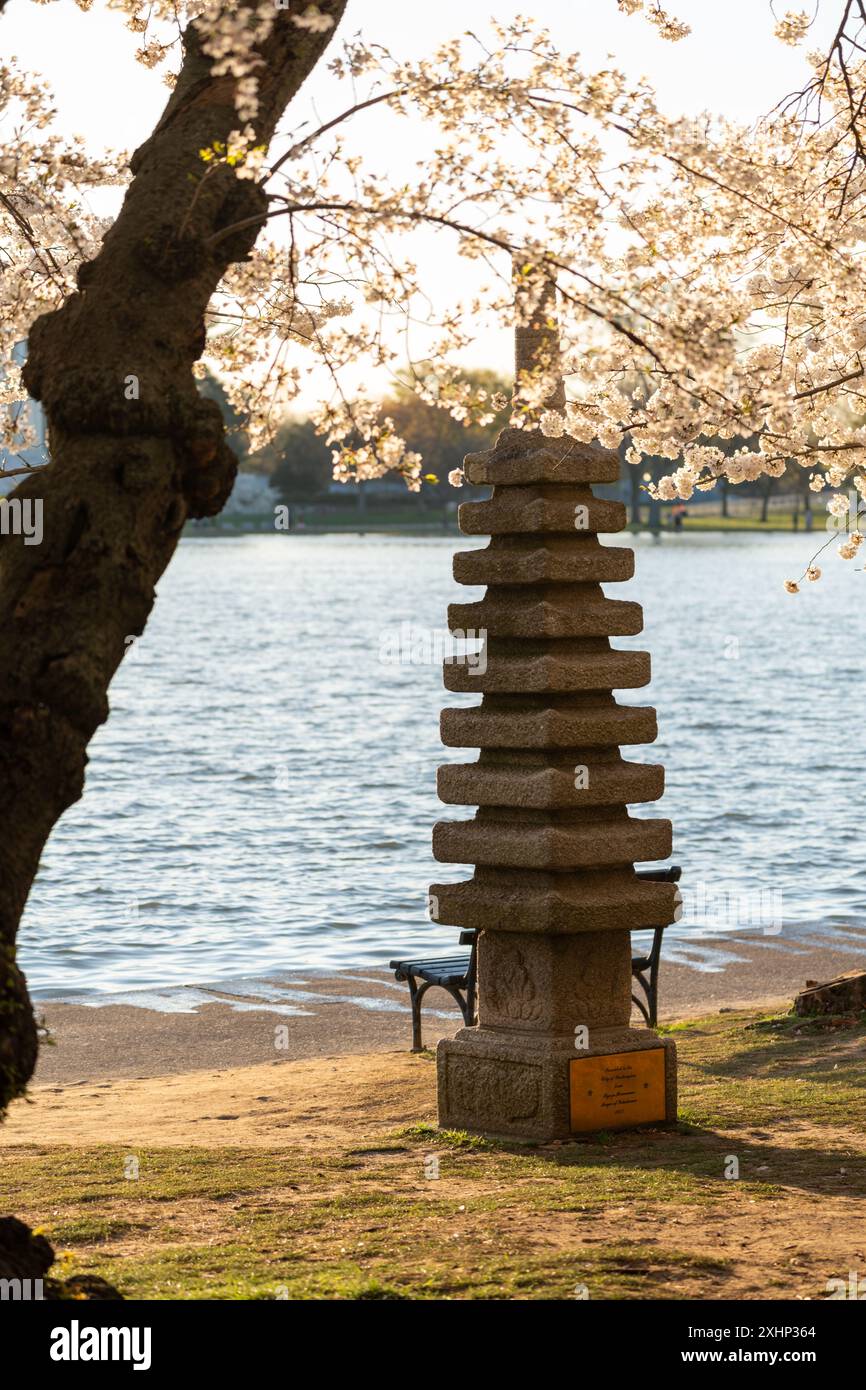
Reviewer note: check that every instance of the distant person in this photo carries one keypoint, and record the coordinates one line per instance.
(678, 513)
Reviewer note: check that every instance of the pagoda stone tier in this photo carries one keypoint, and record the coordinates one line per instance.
(554, 894)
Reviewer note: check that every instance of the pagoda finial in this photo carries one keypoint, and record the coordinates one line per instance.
(536, 330)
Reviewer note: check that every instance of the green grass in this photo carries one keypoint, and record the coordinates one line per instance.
(623, 1214)
(407, 520)
(776, 521)
(400, 517)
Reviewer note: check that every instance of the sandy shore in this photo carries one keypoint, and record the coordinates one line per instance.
(317, 1015)
(271, 1104)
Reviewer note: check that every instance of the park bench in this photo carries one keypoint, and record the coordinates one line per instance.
(457, 974)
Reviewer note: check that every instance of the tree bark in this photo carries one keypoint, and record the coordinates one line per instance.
(27, 1256)
(124, 473)
(846, 994)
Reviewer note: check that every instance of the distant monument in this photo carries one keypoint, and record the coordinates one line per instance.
(554, 893)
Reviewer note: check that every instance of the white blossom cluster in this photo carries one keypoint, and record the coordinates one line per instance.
(46, 228)
(711, 278)
(793, 27)
(669, 27)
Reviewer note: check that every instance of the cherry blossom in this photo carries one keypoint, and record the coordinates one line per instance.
(710, 277)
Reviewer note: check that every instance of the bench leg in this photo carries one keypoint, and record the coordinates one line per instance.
(653, 995)
(416, 994)
(415, 1000)
(643, 1008)
(650, 988)
(469, 1010)
(467, 1005)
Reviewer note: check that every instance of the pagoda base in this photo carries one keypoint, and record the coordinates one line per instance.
(516, 1085)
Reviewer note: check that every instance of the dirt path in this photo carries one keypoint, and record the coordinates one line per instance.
(325, 1100)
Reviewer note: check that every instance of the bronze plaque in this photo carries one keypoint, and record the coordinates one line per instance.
(617, 1091)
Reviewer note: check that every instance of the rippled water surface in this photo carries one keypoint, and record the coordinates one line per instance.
(263, 794)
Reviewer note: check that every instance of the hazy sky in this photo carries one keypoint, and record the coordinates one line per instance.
(731, 64)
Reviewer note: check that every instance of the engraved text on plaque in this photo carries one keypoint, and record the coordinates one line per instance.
(619, 1090)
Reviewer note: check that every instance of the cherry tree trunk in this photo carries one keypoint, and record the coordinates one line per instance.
(135, 451)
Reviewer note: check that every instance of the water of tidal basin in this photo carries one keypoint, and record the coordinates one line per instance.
(263, 794)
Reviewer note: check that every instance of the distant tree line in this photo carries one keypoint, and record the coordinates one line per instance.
(794, 480)
(300, 465)
(301, 470)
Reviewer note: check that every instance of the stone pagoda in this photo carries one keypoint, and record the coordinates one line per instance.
(554, 895)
